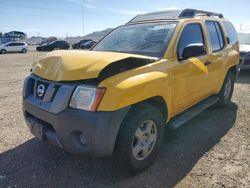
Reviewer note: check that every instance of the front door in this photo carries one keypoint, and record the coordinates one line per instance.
(191, 76)
(11, 47)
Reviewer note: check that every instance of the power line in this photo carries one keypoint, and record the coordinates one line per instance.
(83, 33)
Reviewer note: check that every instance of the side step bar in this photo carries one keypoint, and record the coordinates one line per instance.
(187, 115)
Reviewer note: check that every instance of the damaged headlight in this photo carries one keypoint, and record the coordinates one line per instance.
(86, 98)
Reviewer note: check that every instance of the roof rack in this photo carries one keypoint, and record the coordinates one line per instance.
(186, 13)
(173, 15)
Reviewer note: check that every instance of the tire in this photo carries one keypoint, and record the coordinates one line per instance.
(133, 155)
(227, 89)
(24, 51)
(3, 51)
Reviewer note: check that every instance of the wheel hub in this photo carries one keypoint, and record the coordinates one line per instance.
(144, 140)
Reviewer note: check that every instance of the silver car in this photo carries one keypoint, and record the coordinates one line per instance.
(245, 56)
(21, 47)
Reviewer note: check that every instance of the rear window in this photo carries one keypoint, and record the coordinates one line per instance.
(230, 32)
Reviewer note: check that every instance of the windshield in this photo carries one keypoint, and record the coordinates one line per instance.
(149, 39)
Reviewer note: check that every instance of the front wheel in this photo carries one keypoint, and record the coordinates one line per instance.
(227, 89)
(3, 51)
(139, 138)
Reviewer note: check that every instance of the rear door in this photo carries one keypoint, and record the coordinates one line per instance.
(18, 47)
(216, 55)
(58, 45)
(64, 45)
(191, 75)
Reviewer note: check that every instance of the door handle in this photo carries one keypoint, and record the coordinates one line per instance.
(207, 63)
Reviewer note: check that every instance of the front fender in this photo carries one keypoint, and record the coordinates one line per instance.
(125, 89)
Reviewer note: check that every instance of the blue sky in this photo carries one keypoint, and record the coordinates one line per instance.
(64, 17)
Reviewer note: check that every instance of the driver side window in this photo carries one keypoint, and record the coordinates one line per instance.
(191, 34)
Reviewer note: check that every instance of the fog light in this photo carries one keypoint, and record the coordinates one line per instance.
(83, 140)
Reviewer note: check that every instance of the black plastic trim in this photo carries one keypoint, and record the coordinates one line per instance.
(99, 128)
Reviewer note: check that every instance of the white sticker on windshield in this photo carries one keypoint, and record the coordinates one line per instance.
(167, 26)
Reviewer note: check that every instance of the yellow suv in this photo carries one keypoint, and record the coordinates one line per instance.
(160, 68)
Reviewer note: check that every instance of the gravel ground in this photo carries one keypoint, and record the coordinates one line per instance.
(212, 150)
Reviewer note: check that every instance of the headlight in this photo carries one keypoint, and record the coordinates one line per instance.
(86, 98)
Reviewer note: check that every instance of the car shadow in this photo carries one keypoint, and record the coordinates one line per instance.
(244, 77)
(36, 164)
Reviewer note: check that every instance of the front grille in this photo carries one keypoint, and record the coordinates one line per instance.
(41, 89)
(48, 95)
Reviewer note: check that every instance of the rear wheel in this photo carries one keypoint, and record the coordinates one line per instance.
(139, 138)
(227, 89)
(24, 50)
(3, 51)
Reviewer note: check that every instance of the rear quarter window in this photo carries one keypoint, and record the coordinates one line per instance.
(230, 32)
(215, 35)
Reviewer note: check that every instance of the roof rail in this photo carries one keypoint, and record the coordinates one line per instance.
(172, 15)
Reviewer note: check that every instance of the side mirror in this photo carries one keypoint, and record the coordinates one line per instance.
(193, 50)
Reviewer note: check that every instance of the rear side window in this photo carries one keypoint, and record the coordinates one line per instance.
(18, 44)
(191, 34)
(61, 42)
(230, 32)
(215, 35)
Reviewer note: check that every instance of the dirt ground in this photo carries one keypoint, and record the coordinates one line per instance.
(212, 150)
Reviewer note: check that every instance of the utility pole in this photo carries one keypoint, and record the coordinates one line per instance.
(83, 33)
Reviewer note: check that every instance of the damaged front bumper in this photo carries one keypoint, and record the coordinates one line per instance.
(76, 131)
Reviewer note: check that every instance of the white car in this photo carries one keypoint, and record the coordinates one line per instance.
(13, 47)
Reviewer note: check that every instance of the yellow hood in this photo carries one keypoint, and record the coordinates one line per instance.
(62, 65)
